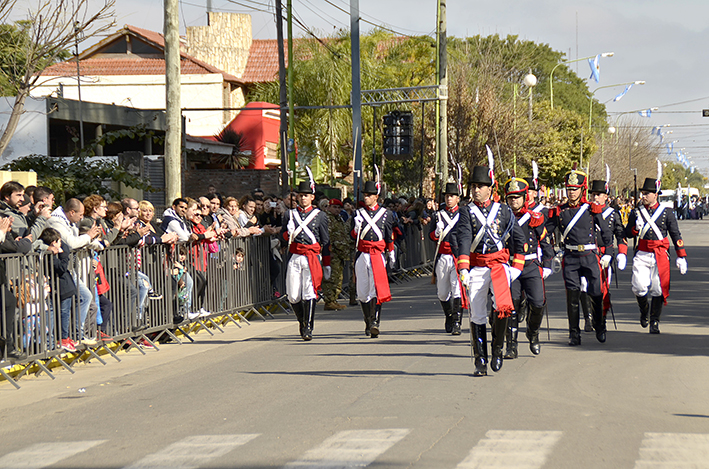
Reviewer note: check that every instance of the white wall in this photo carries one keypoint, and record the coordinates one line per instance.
(148, 92)
(31, 136)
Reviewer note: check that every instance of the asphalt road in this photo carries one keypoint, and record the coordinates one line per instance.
(259, 397)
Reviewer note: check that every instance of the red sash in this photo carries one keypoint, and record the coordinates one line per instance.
(310, 251)
(659, 249)
(381, 281)
(500, 286)
(605, 289)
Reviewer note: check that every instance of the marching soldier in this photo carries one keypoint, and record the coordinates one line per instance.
(372, 230)
(537, 267)
(484, 229)
(446, 273)
(652, 223)
(305, 230)
(577, 220)
(340, 248)
(611, 217)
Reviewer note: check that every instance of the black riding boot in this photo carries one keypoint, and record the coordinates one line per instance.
(533, 324)
(512, 332)
(448, 311)
(376, 314)
(298, 310)
(308, 318)
(599, 320)
(367, 314)
(572, 311)
(655, 312)
(585, 302)
(457, 316)
(644, 308)
(478, 339)
(498, 342)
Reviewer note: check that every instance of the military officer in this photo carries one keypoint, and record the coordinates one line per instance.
(611, 217)
(484, 230)
(446, 274)
(340, 248)
(372, 231)
(577, 221)
(305, 230)
(537, 266)
(654, 225)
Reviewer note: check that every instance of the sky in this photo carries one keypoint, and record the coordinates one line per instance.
(663, 43)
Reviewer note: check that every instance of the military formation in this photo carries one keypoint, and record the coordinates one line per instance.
(494, 255)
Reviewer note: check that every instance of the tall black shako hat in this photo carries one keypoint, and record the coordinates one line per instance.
(370, 187)
(601, 186)
(451, 188)
(307, 187)
(653, 185)
(516, 186)
(575, 179)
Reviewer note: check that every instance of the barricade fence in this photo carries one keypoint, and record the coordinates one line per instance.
(127, 295)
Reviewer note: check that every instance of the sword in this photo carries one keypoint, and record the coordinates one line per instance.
(546, 313)
(613, 316)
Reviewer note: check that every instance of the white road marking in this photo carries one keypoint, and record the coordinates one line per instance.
(674, 450)
(511, 449)
(353, 448)
(45, 454)
(193, 451)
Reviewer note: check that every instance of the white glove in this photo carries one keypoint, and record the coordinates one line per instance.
(514, 273)
(639, 223)
(326, 272)
(358, 223)
(546, 272)
(622, 260)
(392, 259)
(682, 265)
(606, 260)
(464, 277)
(439, 228)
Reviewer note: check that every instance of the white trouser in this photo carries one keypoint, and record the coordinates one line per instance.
(447, 278)
(645, 275)
(366, 290)
(479, 285)
(299, 280)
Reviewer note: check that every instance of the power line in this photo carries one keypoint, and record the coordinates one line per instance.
(383, 22)
(369, 22)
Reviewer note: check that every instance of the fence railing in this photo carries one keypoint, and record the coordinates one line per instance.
(153, 290)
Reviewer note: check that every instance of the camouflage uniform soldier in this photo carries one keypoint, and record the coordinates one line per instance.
(340, 247)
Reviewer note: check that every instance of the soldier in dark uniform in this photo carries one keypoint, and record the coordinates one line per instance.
(372, 231)
(537, 266)
(577, 220)
(340, 249)
(611, 217)
(305, 231)
(653, 224)
(484, 231)
(446, 273)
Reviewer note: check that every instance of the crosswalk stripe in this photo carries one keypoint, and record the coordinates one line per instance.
(511, 449)
(353, 448)
(674, 450)
(193, 451)
(45, 454)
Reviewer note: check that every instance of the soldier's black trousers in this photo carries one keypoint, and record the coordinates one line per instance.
(530, 282)
(575, 266)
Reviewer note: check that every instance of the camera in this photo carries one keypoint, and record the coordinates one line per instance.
(272, 204)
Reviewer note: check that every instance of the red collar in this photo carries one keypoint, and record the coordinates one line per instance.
(373, 207)
(652, 207)
(304, 210)
(484, 204)
(452, 210)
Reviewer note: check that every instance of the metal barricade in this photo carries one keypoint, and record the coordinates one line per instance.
(146, 293)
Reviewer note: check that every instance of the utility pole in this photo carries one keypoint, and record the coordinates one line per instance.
(173, 135)
(291, 110)
(283, 129)
(356, 98)
(78, 82)
(443, 94)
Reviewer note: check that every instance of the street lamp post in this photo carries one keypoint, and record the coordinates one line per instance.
(590, 107)
(530, 81)
(551, 75)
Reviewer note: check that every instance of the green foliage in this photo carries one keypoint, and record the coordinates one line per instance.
(82, 175)
(236, 160)
(15, 43)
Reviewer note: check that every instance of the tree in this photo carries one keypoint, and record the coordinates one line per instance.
(41, 40)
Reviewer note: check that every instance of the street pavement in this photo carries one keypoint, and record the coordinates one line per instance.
(259, 397)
